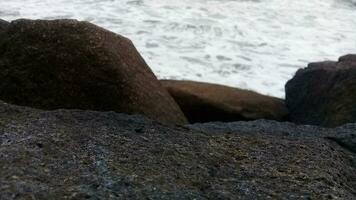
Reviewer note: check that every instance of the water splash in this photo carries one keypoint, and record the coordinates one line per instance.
(253, 44)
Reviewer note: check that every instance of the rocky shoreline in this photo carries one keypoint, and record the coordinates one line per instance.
(73, 154)
(64, 88)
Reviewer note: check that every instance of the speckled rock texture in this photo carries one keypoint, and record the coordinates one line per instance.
(206, 102)
(324, 93)
(51, 64)
(74, 154)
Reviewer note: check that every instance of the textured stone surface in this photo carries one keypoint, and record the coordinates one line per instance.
(72, 64)
(3, 25)
(73, 154)
(205, 102)
(324, 93)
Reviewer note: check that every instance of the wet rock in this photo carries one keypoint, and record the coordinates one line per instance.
(205, 102)
(71, 64)
(324, 93)
(74, 154)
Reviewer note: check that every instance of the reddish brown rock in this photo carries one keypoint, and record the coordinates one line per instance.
(72, 64)
(205, 102)
(324, 93)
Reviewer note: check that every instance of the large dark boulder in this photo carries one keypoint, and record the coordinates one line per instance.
(73, 154)
(71, 64)
(3, 25)
(205, 102)
(324, 93)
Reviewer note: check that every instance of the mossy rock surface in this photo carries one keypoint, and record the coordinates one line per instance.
(75, 154)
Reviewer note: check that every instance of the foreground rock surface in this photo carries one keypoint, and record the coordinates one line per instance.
(72, 64)
(206, 102)
(324, 93)
(73, 154)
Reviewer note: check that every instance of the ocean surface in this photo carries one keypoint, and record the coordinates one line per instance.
(252, 44)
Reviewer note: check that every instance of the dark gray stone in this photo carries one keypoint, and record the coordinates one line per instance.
(348, 58)
(74, 154)
(3, 25)
(324, 93)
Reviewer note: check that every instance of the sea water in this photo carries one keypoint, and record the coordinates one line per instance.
(251, 44)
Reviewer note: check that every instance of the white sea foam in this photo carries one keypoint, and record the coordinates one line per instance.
(253, 44)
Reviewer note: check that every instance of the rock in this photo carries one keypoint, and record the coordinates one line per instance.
(324, 93)
(74, 154)
(348, 58)
(3, 25)
(71, 64)
(205, 102)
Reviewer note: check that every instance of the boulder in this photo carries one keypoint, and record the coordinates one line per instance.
(75, 154)
(324, 93)
(71, 64)
(348, 58)
(205, 102)
(3, 25)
